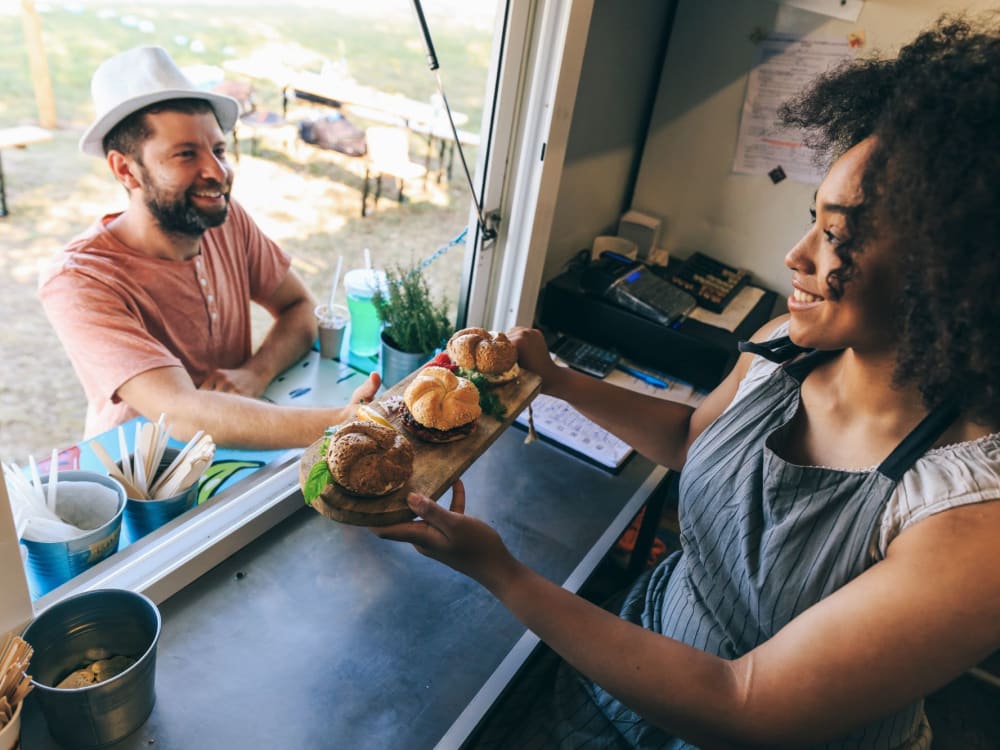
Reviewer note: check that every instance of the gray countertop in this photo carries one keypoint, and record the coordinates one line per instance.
(320, 635)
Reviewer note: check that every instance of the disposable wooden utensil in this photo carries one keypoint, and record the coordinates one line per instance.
(186, 475)
(166, 474)
(114, 471)
(151, 436)
(124, 453)
(15, 655)
(161, 444)
(139, 463)
(189, 470)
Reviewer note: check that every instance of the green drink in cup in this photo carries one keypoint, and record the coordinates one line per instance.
(361, 283)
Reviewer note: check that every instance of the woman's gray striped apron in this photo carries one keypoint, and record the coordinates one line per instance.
(764, 539)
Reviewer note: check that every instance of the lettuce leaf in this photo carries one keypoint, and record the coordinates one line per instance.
(319, 475)
(488, 400)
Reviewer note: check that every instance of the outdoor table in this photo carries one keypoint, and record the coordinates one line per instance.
(18, 137)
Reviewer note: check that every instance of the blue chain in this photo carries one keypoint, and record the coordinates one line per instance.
(441, 251)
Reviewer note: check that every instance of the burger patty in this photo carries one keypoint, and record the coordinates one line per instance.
(431, 435)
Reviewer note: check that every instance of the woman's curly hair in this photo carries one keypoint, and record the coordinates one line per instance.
(932, 194)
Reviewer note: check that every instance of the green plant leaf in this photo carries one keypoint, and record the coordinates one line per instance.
(488, 400)
(319, 477)
(413, 321)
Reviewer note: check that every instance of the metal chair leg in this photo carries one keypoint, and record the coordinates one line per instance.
(364, 194)
(3, 193)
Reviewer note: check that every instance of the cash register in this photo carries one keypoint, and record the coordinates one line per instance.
(595, 303)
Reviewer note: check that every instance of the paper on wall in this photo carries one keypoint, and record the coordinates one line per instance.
(848, 10)
(783, 67)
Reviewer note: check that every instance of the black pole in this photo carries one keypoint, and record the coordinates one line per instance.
(432, 63)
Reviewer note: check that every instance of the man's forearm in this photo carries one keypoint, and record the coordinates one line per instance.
(290, 336)
(236, 421)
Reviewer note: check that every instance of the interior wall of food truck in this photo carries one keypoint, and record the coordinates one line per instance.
(658, 132)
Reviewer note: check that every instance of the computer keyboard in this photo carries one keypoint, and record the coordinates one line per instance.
(558, 422)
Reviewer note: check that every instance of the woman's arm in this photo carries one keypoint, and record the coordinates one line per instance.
(905, 627)
(659, 429)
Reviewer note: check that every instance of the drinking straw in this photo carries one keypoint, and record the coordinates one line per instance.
(36, 481)
(50, 500)
(368, 259)
(336, 280)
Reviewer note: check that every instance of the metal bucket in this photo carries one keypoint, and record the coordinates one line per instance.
(51, 564)
(397, 364)
(144, 516)
(84, 628)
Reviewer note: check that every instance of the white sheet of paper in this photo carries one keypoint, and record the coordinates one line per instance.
(733, 313)
(784, 66)
(848, 10)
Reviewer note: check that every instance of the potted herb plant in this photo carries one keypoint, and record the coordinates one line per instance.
(414, 325)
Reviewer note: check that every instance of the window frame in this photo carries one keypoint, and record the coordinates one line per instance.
(534, 73)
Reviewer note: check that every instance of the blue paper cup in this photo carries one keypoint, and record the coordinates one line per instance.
(51, 564)
(77, 631)
(144, 516)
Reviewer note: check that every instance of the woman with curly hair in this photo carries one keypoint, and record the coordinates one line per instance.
(839, 511)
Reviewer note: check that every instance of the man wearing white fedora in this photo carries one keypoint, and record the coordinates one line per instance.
(153, 304)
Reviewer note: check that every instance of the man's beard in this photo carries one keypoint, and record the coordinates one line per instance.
(178, 214)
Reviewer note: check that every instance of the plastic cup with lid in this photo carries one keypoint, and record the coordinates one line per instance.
(366, 328)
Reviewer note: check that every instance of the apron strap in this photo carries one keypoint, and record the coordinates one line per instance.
(781, 350)
(922, 437)
(777, 350)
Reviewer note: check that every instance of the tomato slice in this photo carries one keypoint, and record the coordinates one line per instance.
(442, 360)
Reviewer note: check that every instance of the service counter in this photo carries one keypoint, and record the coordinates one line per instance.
(316, 634)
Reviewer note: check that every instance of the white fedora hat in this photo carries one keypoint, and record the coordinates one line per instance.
(137, 78)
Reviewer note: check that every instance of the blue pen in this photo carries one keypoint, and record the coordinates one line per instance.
(644, 377)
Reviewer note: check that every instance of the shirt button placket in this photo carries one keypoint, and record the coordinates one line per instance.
(209, 297)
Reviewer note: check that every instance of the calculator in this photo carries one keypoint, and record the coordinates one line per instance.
(586, 357)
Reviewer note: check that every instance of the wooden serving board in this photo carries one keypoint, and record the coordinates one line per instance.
(435, 466)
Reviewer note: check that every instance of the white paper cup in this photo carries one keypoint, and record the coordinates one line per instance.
(332, 322)
(53, 563)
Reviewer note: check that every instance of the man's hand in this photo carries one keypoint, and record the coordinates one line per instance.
(242, 381)
(365, 392)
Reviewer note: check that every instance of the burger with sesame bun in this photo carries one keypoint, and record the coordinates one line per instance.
(490, 356)
(439, 406)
